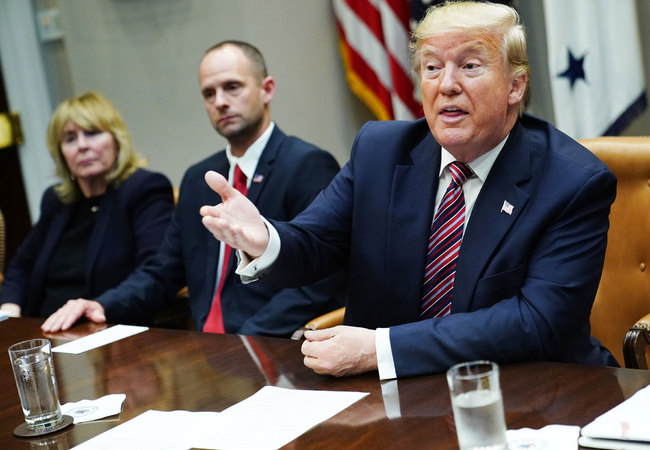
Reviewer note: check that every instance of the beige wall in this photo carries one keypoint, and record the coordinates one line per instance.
(143, 55)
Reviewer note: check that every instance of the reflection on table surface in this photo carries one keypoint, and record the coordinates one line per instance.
(181, 370)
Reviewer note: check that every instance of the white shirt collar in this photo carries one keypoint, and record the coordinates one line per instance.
(248, 161)
(481, 165)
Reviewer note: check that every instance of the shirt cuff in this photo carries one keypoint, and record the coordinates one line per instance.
(385, 363)
(251, 268)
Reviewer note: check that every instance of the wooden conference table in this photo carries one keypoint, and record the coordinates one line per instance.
(172, 369)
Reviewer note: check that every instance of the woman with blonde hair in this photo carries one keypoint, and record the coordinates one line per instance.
(104, 218)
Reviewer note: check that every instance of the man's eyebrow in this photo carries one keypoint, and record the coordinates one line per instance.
(465, 48)
(476, 47)
(473, 47)
(428, 50)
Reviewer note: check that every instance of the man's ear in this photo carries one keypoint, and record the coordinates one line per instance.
(268, 89)
(517, 89)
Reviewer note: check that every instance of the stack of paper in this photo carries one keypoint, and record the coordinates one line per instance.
(626, 426)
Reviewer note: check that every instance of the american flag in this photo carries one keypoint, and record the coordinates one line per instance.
(373, 41)
(507, 207)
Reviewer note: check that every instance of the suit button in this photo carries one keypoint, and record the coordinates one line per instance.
(642, 267)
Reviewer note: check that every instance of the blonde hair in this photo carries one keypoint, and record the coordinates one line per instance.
(499, 24)
(90, 111)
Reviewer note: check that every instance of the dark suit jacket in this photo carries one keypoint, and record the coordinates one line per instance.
(525, 281)
(129, 227)
(292, 173)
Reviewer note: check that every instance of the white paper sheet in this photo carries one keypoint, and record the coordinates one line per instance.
(154, 430)
(268, 419)
(273, 417)
(112, 334)
(628, 421)
(612, 444)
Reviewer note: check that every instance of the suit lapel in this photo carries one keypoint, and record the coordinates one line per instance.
(488, 223)
(411, 211)
(264, 165)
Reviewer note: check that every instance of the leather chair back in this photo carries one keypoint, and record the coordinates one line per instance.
(623, 295)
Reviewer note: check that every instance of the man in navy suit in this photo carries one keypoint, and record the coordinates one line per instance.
(283, 175)
(536, 208)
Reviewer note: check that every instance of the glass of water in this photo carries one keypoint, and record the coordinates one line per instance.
(478, 405)
(33, 367)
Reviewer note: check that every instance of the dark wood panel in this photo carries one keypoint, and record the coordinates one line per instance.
(13, 199)
(172, 369)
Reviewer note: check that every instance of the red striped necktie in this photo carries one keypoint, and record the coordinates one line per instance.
(214, 322)
(444, 243)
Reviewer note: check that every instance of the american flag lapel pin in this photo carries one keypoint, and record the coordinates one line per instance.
(507, 208)
(257, 178)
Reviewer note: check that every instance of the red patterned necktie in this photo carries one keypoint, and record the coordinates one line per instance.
(214, 322)
(444, 243)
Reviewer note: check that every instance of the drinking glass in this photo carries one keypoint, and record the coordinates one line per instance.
(478, 405)
(33, 367)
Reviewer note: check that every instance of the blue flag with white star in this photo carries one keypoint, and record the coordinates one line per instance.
(596, 65)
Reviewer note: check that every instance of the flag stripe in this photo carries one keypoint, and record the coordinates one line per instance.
(374, 37)
(371, 16)
(396, 36)
(403, 92)
(365, 84)
(361, 38)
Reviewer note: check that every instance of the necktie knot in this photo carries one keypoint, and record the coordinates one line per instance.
(460, 172)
